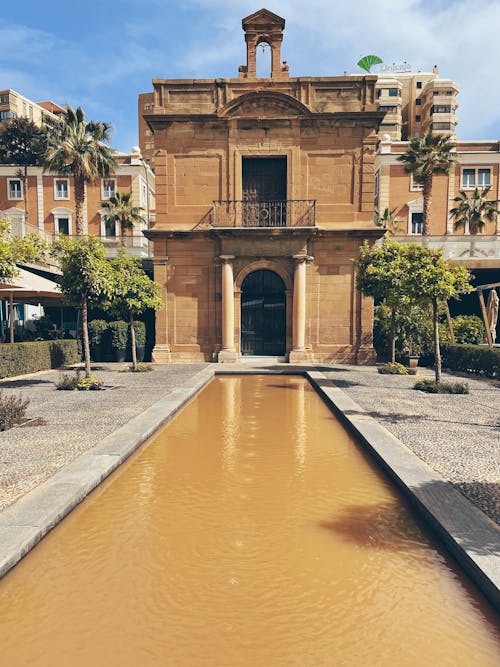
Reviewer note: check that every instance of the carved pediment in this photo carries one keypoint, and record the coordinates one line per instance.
(266, 104)
(263, 18)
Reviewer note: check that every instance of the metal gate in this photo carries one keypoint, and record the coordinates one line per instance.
(263, 314)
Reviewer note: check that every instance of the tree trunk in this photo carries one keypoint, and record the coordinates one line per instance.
(393, 334)
(25, 192)
(437, 351)
(132, 342)
(80, 223)
(427, 194)
(123, 230)
(85, 332)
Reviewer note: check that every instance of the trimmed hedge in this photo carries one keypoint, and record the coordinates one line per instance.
(472, 359)
(23, 358)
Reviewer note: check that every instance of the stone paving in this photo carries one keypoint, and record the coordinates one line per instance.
(457, 435)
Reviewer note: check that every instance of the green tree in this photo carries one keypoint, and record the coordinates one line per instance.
(22, 143)
(78, 148)
(87, 279)
(15, 250)
(120, 208)
(425, 157)
(429, 279)
(134, 293)
(381, 275)
(471, 212)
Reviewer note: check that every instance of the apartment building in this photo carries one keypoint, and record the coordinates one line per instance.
(416, 103)
(15, 105)
(51, 203)
(477, 165)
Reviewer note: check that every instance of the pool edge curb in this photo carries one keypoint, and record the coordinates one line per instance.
(464, 530)
(24, 524)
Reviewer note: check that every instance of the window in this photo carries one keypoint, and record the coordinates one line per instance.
(7, 115)
(441, 126)
(419, 84)
(414, 185)
(441, 108)
(108, 188)
(15, 186)
(416, 223)
(393, 92)
(61, 188)
(62, 226)
(376, 183)
(418, 102)
(483, 178)
(475, 175)
(109, 228)
(4, 99)
(417, 118)
(388, 108)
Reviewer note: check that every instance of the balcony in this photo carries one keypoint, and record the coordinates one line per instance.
(286, 213)
(136, 246)
(466, 248)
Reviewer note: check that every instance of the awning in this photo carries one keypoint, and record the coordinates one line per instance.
(28, 287)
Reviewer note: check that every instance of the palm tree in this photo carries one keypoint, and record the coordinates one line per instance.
(426, 156)
(77, 148)
(122, 210)
(22, 143)
(388, 220)
(471, 212)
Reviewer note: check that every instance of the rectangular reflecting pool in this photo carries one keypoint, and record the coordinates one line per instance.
(251, 531)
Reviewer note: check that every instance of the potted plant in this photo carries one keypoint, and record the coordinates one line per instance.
(97, 331)
(118, 333)
(140, 339)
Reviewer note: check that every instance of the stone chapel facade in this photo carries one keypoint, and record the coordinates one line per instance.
(264, 193)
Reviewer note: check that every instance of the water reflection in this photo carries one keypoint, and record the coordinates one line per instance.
(250, 532)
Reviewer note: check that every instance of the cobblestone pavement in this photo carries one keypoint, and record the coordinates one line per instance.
(457, 435)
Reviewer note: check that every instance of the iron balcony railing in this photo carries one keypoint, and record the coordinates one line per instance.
(285, 213)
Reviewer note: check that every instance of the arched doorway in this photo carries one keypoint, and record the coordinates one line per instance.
(263, 314)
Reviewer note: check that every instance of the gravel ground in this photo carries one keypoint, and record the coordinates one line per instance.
(457, 435)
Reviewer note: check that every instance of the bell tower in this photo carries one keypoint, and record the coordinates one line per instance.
(263, 27)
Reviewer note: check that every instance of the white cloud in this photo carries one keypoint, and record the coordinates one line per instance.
(324, 37)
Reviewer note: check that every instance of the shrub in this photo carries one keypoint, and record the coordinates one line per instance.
(118, 332)
(71, 383)
(141, 368)
(393, 369)
(97, 329)
(472, 359)
(468, 329)
(23, 358)
(433, 387)
(140, 333)
(12, 410)
(413, 330)
(89, 384)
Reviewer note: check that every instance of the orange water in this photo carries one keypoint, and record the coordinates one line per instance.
(250, 531)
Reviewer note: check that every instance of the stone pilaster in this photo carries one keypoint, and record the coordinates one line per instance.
(228, 353)
(298, 353)
(161, 352)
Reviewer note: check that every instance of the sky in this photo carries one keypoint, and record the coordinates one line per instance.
(100, 54)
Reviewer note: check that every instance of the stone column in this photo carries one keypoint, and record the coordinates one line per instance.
(299, 354)
(161, 351)
(228, 354)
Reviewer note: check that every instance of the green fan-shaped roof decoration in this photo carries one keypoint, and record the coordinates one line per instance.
(367, 62)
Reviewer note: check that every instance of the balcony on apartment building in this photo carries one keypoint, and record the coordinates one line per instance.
(136, 245)
(279, 213)
(461, 247)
